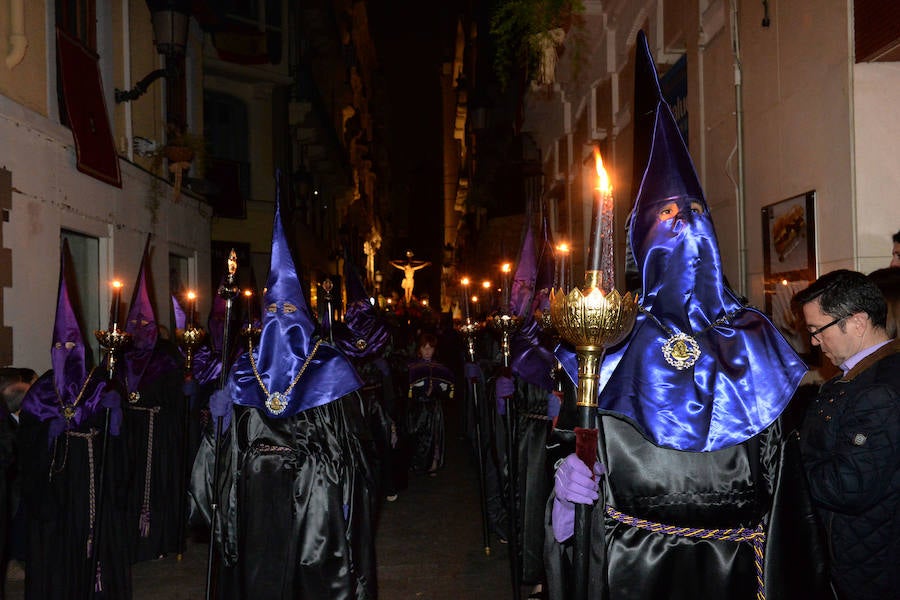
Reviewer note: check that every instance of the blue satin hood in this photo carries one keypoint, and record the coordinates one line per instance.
(285, 344)
(746, 373)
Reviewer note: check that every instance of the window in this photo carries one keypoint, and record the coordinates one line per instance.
(78, 18)
(228, 134)
(85, 297)
(252, 33)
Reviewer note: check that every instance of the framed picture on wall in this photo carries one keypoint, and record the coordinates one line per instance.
(789, 262)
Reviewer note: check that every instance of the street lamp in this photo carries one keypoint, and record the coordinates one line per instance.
(170, 20)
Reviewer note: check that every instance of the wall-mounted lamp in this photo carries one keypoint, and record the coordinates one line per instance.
(170, 20)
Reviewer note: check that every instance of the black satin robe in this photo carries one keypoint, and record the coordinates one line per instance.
(534, 478)
(377, 401)
(757, 482)
(57, 492)
(425, 423)
(163, 451)
(295, 519)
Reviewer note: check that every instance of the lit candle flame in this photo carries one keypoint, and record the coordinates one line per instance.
(506, 267)
(117, 284)
(191, 295)
(563, 247)
(603, 183)
(486, 284)
(465, 281)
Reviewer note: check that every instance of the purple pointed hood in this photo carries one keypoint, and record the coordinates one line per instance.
(522, 290)
(285, 346)
(140, 363)
(67, 352)
(744, 372)
(68, 397)
(531, 360)
(180, 314)
(546, 269)
(365, 331)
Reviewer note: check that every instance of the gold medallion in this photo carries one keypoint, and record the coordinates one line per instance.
(276, 403)
(681, 351)
(134, 397)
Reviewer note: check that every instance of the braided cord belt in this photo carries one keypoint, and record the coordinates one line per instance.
(89, 436)
(144, 522)
(756, 536)
(535, 416)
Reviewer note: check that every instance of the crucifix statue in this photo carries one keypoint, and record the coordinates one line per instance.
(409, 269)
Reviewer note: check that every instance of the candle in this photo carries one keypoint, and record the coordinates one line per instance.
(506, 268)
(562, 252)
(465, 283)
(114, 308)
(603, 212)
(248, 296)
(192, 307)
(593, 274)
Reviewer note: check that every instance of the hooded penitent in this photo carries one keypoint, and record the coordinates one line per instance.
(141, 324)
(700, 370)
(364, 331)
(531, 360)
(67, 397)
(290, 370)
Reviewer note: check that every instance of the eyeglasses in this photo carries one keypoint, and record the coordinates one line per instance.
(815, 333)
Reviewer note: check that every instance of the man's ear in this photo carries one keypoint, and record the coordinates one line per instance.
(859, 322)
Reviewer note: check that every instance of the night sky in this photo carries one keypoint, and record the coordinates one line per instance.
(409, 39)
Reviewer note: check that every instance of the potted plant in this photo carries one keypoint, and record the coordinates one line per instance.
(525, 32)
(183, 151)
(183, 146)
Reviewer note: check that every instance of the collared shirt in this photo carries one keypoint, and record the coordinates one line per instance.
(854, 360)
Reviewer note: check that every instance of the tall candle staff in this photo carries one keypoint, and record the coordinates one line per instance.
(591, 320)
(505, 324)
(228, 291)
(251, 331)
(469, 330)
(113, 340)
(189, 339)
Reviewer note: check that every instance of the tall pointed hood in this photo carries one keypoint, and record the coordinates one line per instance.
(67, 352)
(297, 370)
(69, 397)
(180, 314)
(522, 290)
(546, 268)
(700, 371)
(531, 360)
(364, 331)
(141, 324)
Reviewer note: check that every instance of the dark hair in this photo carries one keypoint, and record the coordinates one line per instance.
(896, 237)
(427, 339)
(9, 375)
(888, 281)
(28, 375)
(843, 293)
(13, 394)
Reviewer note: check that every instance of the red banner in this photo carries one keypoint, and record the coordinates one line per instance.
(83, 93)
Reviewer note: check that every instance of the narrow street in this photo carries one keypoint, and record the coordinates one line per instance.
(429, 544)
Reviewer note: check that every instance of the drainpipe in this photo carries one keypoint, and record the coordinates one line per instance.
(739, 119)
(126, 76)
(17, 40)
